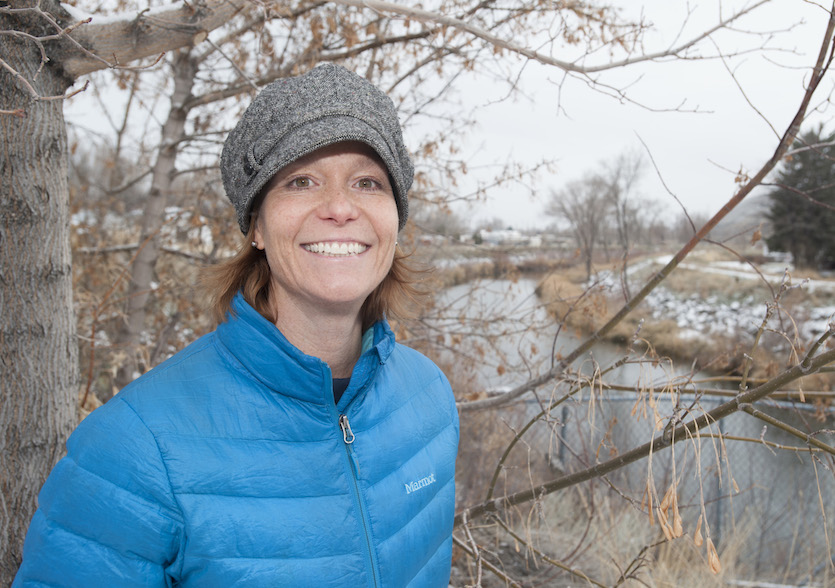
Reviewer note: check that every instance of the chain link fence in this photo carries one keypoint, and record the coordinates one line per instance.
(767, 500)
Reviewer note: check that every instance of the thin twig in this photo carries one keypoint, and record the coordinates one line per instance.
(822, 65)
(811, 440)
(495, 41)
(476, 551)
(550, 560)
(662, 441)
(762, 441)
(490, 567)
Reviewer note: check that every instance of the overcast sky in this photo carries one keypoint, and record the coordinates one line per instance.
(698, 154)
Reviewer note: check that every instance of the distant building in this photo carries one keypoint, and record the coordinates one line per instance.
(505, 237)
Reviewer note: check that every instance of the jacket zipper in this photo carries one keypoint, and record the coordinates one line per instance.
(348, 439)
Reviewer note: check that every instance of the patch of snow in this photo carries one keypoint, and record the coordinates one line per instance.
(699, 317)
(690, 334)
(454, 263)
(83, 217)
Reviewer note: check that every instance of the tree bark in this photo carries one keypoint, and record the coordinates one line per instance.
(147, 34)
(38, 348)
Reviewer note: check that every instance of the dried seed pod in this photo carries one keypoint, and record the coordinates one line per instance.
(665, 526)
(678, 526)
(668, 498)
(648, 496)
(697, 536)
(713, 557)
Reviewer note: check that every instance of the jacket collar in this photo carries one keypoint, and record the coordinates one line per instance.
(270, 358)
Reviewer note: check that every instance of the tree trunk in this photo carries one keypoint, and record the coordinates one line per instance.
(143, 268)
(38, 347)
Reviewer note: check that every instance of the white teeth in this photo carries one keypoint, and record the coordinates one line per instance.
(336, 249)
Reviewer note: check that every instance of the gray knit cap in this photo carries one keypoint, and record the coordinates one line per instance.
(292, 117)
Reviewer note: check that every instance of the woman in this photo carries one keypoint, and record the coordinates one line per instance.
(297, 444)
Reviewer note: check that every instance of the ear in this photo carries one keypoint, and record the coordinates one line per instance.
(257, 235)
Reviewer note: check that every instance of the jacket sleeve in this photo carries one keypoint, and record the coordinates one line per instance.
(106, 515)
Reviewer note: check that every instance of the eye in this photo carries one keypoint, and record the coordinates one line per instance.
(368, 184)
(300, 182)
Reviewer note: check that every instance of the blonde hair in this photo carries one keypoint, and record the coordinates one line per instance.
(249, 273)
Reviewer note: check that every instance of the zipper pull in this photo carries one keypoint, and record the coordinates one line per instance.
(347, 433)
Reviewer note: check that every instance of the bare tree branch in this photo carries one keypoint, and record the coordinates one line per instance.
(668, 438)
(152, 33)
(822, 64)
(497, 41)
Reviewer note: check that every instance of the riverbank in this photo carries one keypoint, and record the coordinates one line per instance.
(706, 313)
(453, 265)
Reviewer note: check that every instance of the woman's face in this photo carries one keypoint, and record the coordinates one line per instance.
(328, 225)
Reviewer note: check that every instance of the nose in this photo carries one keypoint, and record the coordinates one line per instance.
(338, 205)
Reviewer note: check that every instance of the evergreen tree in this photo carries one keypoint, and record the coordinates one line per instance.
(802, 212)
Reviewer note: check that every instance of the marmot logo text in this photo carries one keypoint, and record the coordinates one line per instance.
(418, 484)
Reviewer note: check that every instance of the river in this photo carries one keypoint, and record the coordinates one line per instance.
(504, 329)
(502, 336)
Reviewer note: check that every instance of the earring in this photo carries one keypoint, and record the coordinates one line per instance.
(395, 243)
(254, 244)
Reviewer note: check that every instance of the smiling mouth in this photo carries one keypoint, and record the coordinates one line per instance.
(335, 249)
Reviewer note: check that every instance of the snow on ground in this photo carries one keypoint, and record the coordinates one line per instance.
(708, 315)
(697, 316)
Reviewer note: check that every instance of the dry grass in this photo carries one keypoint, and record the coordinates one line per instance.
(598, 534)
(571, 304)
(702, 284)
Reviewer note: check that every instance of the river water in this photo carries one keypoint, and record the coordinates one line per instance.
(498, 335)
(504, 329)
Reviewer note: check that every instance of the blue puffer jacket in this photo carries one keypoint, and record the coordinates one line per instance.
(227, 466)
